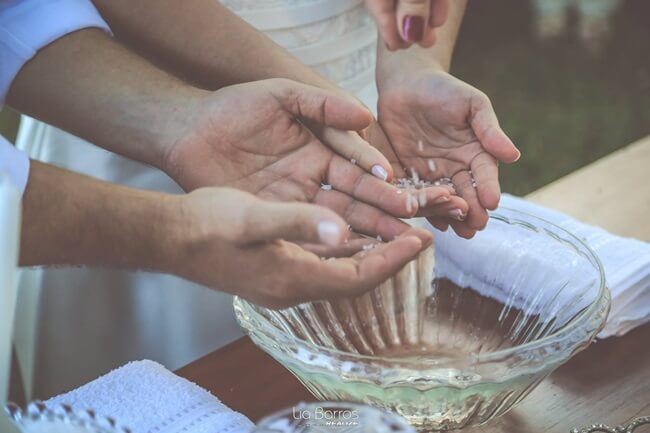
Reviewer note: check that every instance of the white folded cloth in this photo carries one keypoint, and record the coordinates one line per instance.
(485, 263)
(147, 398)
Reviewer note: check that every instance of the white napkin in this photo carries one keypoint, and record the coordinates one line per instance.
(147, 398)
(626, 262)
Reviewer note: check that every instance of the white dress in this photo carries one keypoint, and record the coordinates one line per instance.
(91, 320)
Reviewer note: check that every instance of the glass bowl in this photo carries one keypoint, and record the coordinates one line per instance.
(458, 336)
(38, 418)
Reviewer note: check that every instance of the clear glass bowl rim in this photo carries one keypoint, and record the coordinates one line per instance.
(274, 333)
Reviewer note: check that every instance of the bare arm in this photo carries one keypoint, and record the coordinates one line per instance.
(70, 219)
(89, 84)
(202, 41)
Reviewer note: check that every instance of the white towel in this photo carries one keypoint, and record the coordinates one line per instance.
(485, 263)
(147, 398)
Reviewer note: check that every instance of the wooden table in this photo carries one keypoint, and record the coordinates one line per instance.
(609, 382)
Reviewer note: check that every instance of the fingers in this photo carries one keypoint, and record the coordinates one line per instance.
(354, 276)
(321, 106)
(463, 229)
(437, 16)
(362, 217)
(413, 20)
(453, 208)
(300, 222)
(354, 182)
(383, 12)
(439, 11)
(358, 151)
(425, 236)
(486, 175)
(402, 23)
(476, 216)
(297, 275)
(376, 136)
(348, 249)
(485, 124)
(440, 223)
(356, 244)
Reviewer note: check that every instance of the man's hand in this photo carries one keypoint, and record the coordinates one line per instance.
(226, 239)
(253, 137)
(235, 242)
(440, 127)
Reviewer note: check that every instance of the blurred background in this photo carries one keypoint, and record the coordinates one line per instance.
(566, 93)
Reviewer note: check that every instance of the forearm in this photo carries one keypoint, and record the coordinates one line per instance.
(438, 56)
(203, 42)
(70, 219)
(90, 85)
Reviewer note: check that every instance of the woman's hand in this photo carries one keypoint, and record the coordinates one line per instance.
(403, 23)
(232, 241)
(441, 127)
(253, 137)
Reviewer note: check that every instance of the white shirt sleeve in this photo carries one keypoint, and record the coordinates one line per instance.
(14, 164)
(26, 26)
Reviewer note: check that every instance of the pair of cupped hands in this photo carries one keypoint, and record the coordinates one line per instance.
(298, 167)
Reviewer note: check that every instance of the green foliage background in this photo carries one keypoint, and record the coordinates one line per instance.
(562, 105)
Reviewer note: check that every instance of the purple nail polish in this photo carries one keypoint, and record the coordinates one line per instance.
(413, 28)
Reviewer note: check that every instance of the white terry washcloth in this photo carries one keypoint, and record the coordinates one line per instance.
(147, 398)
(485, 264)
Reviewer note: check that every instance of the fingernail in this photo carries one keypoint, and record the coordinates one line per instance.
(413, 28)
(329, 233)
(443, 199)
(518, 155)
(379, 171)
(457, 214)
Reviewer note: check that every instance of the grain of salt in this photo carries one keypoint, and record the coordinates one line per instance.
(369, 247)
(414, 176)
(422, 199)
(325, 187)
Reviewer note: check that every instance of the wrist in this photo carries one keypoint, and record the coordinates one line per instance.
(405, 66)
(176, 117)
(170, 237)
